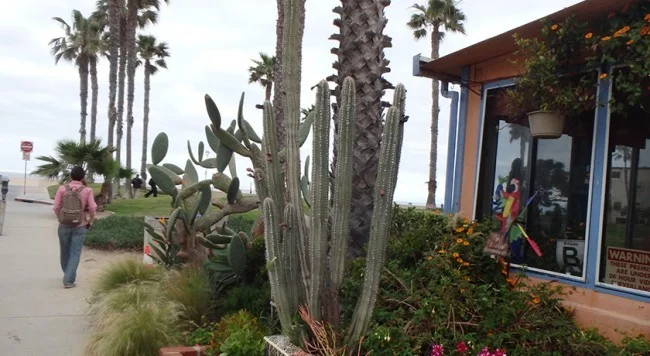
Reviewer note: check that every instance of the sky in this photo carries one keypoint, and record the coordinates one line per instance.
(212, 44)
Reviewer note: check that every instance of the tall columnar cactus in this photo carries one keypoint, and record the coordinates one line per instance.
(313, 250)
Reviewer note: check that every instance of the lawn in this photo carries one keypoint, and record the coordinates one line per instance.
(51, 190)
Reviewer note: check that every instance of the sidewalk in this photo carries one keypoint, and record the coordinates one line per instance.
(37, 315)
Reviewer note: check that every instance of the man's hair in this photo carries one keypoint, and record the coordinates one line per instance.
(77, 173)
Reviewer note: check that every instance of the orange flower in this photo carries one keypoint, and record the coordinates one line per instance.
(468, 279)
(459, 260)
(603, 76)
(645, 30)
(647, 17)
(429, 258)
(466, 264)
(460, 229)
(606, 38)
(589, 35)
(535, 300)
(460, 241)
(466, 243)
(162, 220)
(554, 27)
(462, 291)
(511, 282)
(470, 231)
(629, 42)
(442, 251)
(455, 255)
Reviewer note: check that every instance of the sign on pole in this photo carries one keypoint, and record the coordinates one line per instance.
(26, 156)
(26, 146)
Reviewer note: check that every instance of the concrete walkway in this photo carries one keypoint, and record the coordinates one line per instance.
(37, 315)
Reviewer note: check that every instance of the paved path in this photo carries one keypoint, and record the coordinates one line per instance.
(37, 315)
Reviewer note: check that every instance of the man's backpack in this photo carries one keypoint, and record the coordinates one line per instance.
(71, 208)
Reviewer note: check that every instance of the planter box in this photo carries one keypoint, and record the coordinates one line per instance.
(182, 351)
(279, 345)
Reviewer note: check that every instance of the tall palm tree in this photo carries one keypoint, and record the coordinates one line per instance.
(125, 20)
(434, 18)
(140, 13)
(152, 55)
(361, 56)
(80, 44)
(262, 73)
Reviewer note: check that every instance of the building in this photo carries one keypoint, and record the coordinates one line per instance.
(591, 180)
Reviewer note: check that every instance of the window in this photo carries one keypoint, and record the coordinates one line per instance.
(625, 249)
(556, 172)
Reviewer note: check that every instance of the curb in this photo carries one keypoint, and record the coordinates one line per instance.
(33, 201)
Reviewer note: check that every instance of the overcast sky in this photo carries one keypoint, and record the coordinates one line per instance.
(211, 43)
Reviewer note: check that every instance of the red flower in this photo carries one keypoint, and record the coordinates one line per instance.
(462, 347)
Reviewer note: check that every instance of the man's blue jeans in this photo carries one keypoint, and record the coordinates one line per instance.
(71, 240)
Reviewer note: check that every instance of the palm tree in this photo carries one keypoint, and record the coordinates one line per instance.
(262, 73)
(80, 44)
(361, 56)
(135, 8)
(437, 16)
(152, 55)
(90, 155)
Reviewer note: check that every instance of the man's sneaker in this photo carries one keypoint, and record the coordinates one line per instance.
(69, 285)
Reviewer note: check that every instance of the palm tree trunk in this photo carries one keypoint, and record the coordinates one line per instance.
(435, 110)
(83, 95)
(130, 73)
(95, 91)
(278, 77)
(113, 49)
(145, 121)
(268, 88)
(361, 56)
(120, 100)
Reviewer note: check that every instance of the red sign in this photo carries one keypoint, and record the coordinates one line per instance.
(26, 146)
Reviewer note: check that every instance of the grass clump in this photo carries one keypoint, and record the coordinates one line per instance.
(125, 271)
(191, 288)
(135, 319)
(116, 232)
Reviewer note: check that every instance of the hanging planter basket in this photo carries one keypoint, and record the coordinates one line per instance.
(546, 124)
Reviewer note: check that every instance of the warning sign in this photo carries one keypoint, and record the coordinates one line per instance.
(628, 268)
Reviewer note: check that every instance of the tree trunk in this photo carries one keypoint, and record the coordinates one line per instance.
(268, 88)
(120, 100)
(130, 73)
(82, 63)
(113, 49)
(278, 77)
(361, 56)
(435, 111)
(95, 91)
(145, 121)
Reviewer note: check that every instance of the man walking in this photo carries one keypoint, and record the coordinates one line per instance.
(136, 182)
(154, 189)
(71, 203)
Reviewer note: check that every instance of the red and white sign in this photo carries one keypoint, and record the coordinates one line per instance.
(26, 146)
(628, 268)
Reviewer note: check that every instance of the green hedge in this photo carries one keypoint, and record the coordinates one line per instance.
(116, 232)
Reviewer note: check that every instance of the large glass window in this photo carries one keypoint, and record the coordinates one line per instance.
(625, 250)
(514, 167)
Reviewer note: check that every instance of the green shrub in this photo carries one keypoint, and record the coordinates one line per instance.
(439, 288)
(240, 223)
(240, 334)
(125, 271)
(134, 320)
(252, 298)
(116, 232)
(191, 288)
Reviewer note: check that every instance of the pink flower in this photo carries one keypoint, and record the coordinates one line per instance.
(484, 352)
(462, 347)
(437, 350)
(498, 352)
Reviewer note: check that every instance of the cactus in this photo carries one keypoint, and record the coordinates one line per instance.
(313, 251)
